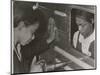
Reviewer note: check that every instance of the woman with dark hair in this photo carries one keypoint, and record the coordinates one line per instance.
(30, 28)
(28, 25)
(84, 38)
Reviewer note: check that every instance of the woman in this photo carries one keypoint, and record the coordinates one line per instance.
(27, 23)
(84, 38)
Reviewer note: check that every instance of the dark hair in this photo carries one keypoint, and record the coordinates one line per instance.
(29, 16)
(84, 15)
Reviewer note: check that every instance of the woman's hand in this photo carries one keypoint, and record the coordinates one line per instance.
(36, 66)
(51, 30)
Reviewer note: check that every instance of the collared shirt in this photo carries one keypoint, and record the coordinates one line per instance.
(85, 42)
(17, 51)
(18, 66)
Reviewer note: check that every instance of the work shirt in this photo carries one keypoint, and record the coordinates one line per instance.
(23, 57)
(84, 45)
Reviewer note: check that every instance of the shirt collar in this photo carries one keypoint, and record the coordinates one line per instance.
(89, 38)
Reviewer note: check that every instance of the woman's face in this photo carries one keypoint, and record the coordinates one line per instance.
(83, 25)
(26, 34)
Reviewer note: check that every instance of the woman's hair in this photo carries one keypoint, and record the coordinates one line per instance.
(29, 16)
(87, 16)
(84, 15)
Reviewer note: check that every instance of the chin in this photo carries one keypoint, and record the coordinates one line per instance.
(23, 44)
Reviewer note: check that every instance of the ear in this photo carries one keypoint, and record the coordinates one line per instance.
(21, 25)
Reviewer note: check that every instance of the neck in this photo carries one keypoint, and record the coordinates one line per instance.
(88, 33)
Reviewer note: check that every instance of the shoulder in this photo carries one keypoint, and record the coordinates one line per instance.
(92, 44)
(75, 37)
(76, 33)
(92, 48)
